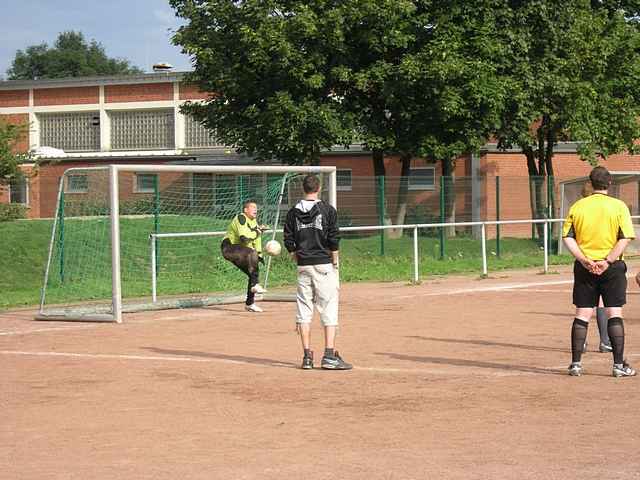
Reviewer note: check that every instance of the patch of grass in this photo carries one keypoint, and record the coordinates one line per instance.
(82, 257)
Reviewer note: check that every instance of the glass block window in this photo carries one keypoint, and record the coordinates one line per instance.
(142, 130)
(343, 180)
(196, 135)
(77, 183)
(145, 183)
(19, 191)
(422, 178)
(71, 132)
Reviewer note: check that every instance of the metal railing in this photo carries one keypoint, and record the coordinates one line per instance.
(415, 227)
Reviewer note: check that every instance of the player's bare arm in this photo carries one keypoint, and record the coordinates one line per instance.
(575, 250)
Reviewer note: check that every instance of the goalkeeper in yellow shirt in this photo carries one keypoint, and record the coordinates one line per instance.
(242, 246)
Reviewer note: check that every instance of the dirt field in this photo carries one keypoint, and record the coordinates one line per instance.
(457, 378)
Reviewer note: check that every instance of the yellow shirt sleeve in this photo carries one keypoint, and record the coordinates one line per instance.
(568, 223)
(626, 225)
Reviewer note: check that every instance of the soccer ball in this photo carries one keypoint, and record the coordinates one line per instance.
(273, 248)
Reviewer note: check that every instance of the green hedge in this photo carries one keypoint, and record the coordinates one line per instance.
(12, 211)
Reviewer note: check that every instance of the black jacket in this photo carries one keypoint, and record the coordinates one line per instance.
(313, 235)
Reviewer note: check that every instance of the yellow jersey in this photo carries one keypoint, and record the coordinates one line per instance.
(597, 222)
(244, 231)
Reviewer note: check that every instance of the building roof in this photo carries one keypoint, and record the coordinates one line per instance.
(155, 77)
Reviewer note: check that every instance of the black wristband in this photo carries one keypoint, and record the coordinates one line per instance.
(609, 261)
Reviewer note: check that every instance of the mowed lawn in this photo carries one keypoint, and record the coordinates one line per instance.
(80, 268)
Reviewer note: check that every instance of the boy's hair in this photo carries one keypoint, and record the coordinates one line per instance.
(311, 184)
(247, 202)
(600, 178)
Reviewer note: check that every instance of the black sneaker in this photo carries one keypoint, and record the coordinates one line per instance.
(623, 370)
(335, 363)
(307, 362)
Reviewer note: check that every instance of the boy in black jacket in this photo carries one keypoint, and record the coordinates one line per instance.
(311, 237)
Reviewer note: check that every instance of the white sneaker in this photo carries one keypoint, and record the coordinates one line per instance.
(258, 289)
(253, 308)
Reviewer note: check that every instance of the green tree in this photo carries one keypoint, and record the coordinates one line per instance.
(71, 56)
(291, 78)
(573, 76)
(10, 158)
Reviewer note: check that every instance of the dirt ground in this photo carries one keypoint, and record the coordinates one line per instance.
(457, 378)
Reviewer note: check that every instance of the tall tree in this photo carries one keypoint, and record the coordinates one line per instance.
(412, 78)
(422, 80)
(573, 77)
(71, 56)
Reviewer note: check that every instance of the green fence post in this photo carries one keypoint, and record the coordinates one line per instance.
(61, 234)
(381, 209)
(498, 215)
(442, 214)
(156, 218)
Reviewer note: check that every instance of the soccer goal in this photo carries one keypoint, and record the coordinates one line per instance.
(129, 238)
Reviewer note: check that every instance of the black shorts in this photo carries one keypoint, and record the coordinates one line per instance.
(611, 285)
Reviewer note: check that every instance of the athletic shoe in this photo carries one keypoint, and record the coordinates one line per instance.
(605, 348)
(623, 370)
(335, 363)
(575, 369)
(258, 289)
(253, 308)
(307, 362)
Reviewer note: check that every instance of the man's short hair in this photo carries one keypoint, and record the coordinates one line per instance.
(247, 202)
(600, 178)
(311, 184)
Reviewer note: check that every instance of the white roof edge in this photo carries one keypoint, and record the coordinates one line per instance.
(158, 77)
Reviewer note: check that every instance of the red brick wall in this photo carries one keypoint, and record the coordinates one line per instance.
(514, 183)
(49, 178)
(360, 201)
(14, 98)
(66, 96)
(18, 118)
(150, 92)
(191, 92)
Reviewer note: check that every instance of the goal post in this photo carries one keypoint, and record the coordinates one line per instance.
(107, 217)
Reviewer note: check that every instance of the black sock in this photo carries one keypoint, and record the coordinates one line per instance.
(615, 328)
(307, 352)
(601, 315)
(328, 352)
(578, 336)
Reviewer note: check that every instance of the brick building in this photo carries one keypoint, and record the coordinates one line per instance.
(136, 119)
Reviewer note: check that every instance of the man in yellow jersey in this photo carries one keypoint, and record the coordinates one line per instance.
(242, 246)
(596, 232)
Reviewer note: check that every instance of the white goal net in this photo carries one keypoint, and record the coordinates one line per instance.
(141, 237)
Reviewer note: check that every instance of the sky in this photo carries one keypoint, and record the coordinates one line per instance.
(136, 30)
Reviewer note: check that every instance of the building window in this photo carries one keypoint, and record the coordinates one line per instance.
(77, 184)
(142, 130)
(197, 135)
(71, 132)
(343, 180)
(19, 191)
(145, 183)
(422, 178)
